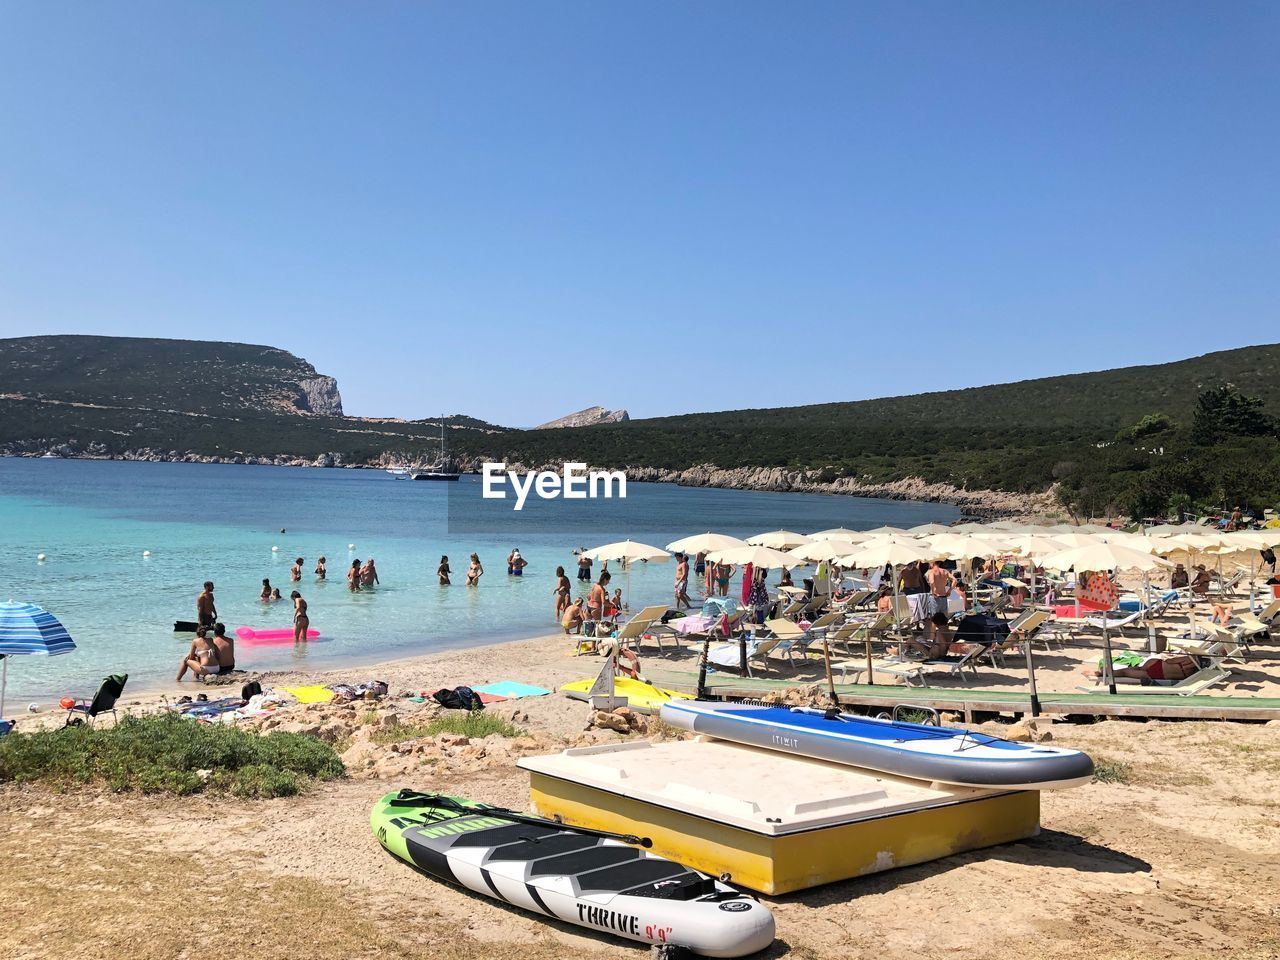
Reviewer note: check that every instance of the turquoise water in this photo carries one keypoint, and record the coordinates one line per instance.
(94, 519)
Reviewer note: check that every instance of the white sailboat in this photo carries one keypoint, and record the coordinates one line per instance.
(440, 469)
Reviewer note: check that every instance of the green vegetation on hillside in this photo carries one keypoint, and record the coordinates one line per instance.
(1198, 433)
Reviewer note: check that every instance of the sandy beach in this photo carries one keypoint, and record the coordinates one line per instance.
(1175, 856)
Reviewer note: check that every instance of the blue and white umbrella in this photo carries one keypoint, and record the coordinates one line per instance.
(28, 629)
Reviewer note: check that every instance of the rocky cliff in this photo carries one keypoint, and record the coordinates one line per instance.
(320, 396)
(586, 418)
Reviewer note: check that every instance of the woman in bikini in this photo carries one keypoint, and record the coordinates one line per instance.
(443, 571)
(561, 592)
(320, 571)
(475, 571)
(300, 619)
(265, 595)
(353, 577)
(201, 659)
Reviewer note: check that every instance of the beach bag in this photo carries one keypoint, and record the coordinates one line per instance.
(588, 628)
(459, 698)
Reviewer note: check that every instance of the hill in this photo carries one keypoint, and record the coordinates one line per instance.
(1144, 440)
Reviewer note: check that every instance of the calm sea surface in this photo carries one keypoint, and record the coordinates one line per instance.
(94, 519)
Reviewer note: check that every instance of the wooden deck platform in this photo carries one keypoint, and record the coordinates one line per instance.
(969, 701)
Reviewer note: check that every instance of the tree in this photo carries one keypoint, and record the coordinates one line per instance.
(1225, 412)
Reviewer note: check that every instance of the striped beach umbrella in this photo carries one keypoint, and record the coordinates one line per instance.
(28, 629)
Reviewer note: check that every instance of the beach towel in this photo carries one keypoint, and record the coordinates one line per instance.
(512, 690)
(487, 698)
(312, 694)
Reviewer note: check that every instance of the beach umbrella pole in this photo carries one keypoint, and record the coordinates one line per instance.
(1031, 678)
(702, 669)
(4, 681)
(1151, 621)
(1108, 667)
(826, 664)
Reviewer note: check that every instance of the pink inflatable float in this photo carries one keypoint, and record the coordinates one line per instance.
(250, 635)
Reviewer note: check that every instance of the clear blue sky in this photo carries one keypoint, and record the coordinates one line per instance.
(518, 209)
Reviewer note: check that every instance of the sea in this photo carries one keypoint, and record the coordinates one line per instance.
(126, 547)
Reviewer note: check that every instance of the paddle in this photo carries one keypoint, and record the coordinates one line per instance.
(412, 798)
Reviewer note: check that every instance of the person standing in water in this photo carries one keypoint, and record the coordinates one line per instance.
(265, 595)
(320, 570)
(561, 592)
(295, 572)
(353, 577)
(369, 574)
(300, 619)
(443, 571)
(475, 571)
(206, 612)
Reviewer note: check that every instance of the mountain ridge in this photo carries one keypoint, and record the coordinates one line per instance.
(1125, 438)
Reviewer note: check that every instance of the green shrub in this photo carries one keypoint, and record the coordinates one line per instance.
(166, 754)
(472, 724)
(1111, 771)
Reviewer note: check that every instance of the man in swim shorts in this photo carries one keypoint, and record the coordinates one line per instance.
(226, 648)
(206, 612)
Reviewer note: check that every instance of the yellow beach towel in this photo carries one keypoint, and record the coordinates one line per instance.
(312, 694)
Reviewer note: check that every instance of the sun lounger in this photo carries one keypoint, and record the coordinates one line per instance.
(1111, 620)
(794, 638)
(634, 629)
(909, 670)
(1196, 683)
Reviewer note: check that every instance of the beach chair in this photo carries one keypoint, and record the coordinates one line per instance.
(908, 670)
(1226, 587)
(792, 637)
(825, 624)
(1111, 620)
(1024, 629)
(858, 632)
(1217, 645)
(104, 701)
(760, 653)
(1190, 686)
(641, 623)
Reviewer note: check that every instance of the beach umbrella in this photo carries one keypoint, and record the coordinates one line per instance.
(840, 533)
(888, 531)
(28, 630)
(629, 551)
(929, 529)
(705, 543)
(1169, 529)
(950, 546)
(888, 552)
(759, 557)
(778, 540)
(1109, 556)
(817, 551)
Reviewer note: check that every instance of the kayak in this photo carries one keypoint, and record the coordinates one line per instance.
(250, 635)
(602, 881)
(641, 697)
(918, 751)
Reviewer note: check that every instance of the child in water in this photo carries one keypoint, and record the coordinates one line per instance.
(275, 594)
(265, 595)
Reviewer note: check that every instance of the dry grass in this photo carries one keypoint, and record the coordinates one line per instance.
(84, 895)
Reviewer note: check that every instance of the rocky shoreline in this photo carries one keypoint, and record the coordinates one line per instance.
(981, 504)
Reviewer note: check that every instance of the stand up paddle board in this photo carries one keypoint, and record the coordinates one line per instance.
(602, 881)
(918, 751)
